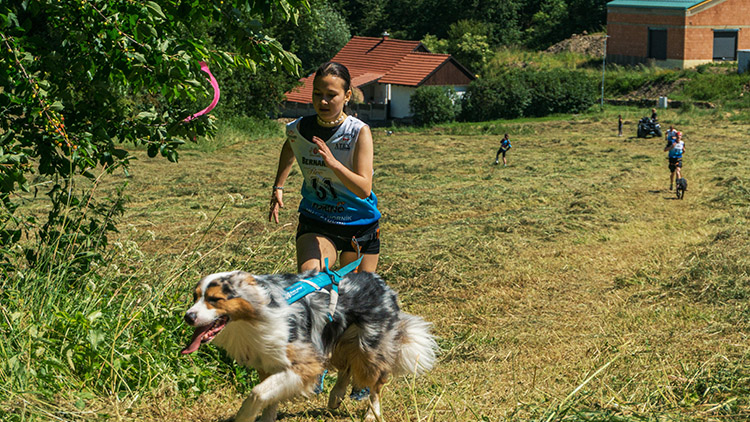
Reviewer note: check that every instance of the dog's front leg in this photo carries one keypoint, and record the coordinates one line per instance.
(339, 389)
(269, 413)
(266, 395)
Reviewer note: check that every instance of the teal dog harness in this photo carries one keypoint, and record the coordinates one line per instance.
(320, 283)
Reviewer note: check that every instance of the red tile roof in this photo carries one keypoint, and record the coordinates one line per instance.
(414, 68)
(303, 93)
(381, 60)
(373, 55)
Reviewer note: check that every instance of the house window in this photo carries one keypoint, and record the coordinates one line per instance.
(657, 44)
(725, 44)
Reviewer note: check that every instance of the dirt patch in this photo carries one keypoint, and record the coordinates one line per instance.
(658, 89)
(586, 44)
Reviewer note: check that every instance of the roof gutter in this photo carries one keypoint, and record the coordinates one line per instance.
(699, 4)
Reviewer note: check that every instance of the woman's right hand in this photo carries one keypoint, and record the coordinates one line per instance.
(276, 203)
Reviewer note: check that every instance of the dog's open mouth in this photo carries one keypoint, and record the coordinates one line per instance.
(205, 334)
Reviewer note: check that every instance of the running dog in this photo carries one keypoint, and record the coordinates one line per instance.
(681, 187)
(367, 339)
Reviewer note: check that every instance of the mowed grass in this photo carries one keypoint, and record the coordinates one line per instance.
(570, 285)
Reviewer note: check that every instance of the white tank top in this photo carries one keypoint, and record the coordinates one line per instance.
(324, 197)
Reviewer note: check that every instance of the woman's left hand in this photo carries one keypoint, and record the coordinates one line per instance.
(325, 153)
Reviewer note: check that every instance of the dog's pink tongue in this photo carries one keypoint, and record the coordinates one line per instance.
(195, 343)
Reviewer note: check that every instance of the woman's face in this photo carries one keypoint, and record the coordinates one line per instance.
(329, 96)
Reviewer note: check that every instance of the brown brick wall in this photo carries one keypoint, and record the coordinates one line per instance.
(727, 12)
(689, 38)
(627, 40)
(628, 31)
(647, 17)
(700, 45)
(676, 43)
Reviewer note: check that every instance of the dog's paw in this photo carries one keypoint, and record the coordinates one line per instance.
(370, 417)
(334, 400)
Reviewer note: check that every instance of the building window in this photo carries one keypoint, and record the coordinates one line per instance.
(725, 44)
(657, 44)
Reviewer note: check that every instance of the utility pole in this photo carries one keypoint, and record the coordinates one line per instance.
(604, 64)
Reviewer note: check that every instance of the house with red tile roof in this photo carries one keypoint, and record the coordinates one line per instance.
(387, 72)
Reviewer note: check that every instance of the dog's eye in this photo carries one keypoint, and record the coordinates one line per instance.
(214, 299)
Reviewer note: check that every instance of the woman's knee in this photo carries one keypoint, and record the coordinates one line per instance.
(369, 261)
(312, 250)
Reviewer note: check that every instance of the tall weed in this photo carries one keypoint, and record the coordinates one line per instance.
(112, 330)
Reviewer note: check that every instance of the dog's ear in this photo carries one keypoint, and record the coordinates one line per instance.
(238, 295)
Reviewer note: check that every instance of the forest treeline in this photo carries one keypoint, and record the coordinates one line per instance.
(469, 30)
(532, 23)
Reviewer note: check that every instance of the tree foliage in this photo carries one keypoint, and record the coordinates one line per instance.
(321, 33)
(467, 41)
(81, 78)
(536, 23)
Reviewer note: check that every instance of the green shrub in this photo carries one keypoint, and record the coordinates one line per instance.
(623, 83)
(502, 97)
(560, 91)
(433, 104)
(687, 106)
(714, 86)
(529, 93)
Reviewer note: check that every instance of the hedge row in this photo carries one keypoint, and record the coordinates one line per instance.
(520, 93)
(516, 93)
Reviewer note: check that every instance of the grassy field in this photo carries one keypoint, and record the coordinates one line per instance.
(570, 285)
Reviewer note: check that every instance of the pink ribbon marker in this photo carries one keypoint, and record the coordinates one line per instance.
(217, 94)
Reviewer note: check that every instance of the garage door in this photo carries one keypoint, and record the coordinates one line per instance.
(725, 45)
(657, 44)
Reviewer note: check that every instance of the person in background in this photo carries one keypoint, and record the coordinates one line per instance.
(653, 115)
(676, 149)
(619, 125)
(504, 147)
(671, 135)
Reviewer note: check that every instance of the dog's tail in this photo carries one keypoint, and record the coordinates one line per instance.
(417, 348)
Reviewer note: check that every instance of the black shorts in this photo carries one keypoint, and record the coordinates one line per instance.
(368, 235)
(674, 163)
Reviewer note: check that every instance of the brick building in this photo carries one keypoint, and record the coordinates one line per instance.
(676, 33)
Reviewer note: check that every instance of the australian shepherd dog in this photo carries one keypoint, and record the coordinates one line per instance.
(367, 340)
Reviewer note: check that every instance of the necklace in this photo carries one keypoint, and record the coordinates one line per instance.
(332, 123)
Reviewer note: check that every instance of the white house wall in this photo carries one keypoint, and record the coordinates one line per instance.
(400, 96)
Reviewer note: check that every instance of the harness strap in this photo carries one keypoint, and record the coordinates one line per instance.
(315, 286)
(325, 278)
